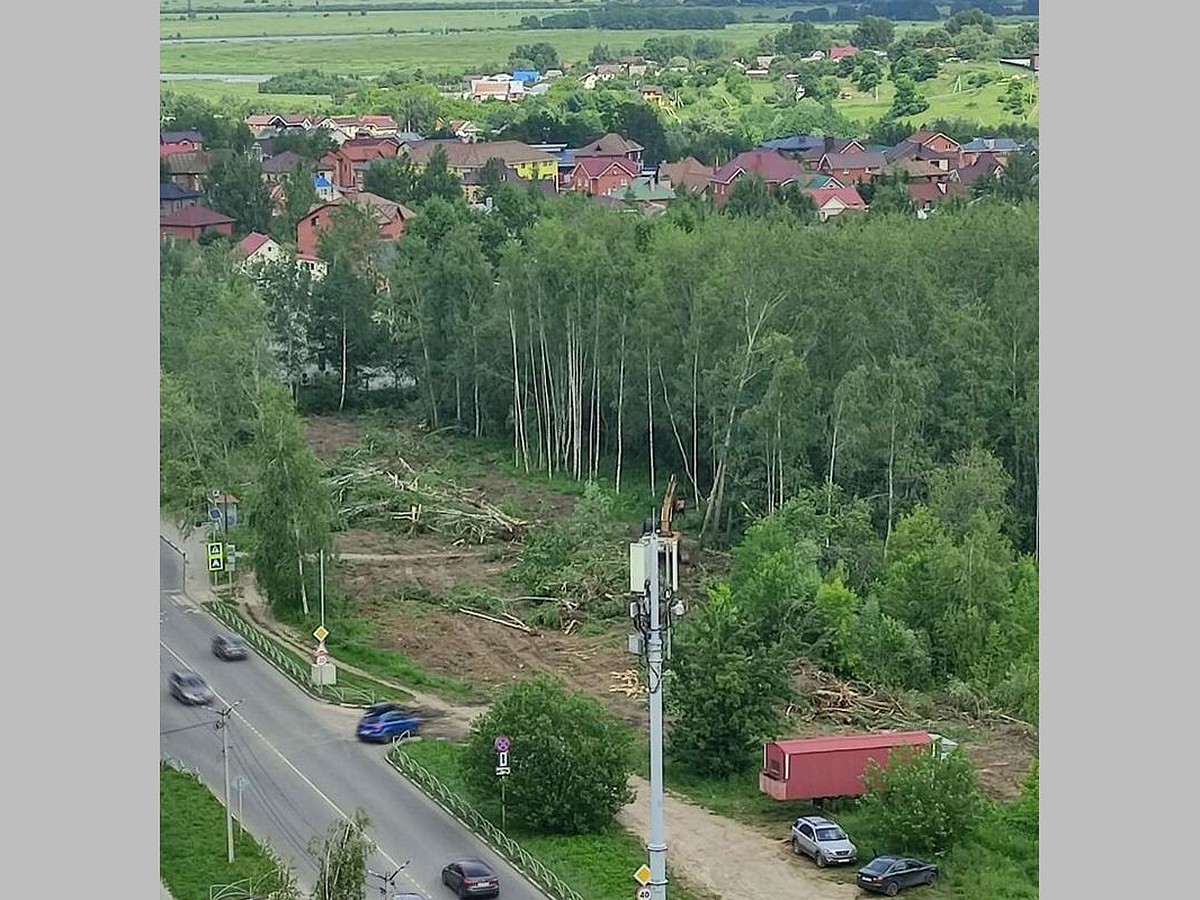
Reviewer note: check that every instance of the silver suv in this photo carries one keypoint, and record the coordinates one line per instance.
(823, 840)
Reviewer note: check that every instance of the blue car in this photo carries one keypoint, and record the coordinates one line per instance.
(385, 721)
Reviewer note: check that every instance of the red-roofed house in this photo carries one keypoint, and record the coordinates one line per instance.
(833, 201)
(391, 217)
(258, 249)
(596, 175)
(770, 165)
(836, 53)
(935, 141)
(193, 222)
(849, 168)
(346, 165)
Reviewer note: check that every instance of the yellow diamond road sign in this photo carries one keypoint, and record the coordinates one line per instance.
(321, 633)
(642, 874)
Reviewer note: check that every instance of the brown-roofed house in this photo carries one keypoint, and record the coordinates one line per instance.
(193, 222)
(612, 144)
(917, 170)
(928, 195)
(276, 167)
(849, 168)
(770, 165)
(812, 156)
(189, 169)
(689, 174)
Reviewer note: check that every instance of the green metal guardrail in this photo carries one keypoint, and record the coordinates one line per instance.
(286, 663)
(429, 783)
(528, 865)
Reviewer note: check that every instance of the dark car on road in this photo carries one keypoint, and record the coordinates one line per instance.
(891, 874)
(229, 646)
(471, 878)
(189, 688)
(385, 721)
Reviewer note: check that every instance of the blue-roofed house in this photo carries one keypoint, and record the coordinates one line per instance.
(323, 187)
(526, 76)
(172, 198)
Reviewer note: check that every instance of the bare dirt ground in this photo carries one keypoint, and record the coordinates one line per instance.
(714, 852)
(329, 435)
(728, 858)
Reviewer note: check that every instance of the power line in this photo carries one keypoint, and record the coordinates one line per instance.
(185, 728)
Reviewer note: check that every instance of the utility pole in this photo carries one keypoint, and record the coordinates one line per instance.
(653, 616)
(223, 727)
(657, 846)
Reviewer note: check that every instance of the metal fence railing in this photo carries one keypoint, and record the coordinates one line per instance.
(531, 867)
(285, 662)
(179, 582)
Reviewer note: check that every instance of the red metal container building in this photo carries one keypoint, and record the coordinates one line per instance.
(826, 767)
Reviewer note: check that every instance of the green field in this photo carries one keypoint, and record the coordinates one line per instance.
(273, 24)
(439, 52)
(191, 840)
(974, 104)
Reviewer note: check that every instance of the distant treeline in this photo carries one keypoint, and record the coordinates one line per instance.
(635, 18)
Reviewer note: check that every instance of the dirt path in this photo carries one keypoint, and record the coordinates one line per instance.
(727, 857)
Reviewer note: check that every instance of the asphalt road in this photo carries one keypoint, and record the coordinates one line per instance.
(300, 765)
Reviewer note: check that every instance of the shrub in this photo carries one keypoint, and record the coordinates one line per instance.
(922, 803)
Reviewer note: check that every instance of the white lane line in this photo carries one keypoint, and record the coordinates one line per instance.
(303, 777)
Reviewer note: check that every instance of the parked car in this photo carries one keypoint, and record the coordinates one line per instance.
(189, 688)
(471, 878)
(823, 840)
(890, 874)
(229, 646)
(385, 721)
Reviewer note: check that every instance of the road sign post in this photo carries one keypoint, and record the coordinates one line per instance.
(323, 671)
(501, 745)
(216, 557)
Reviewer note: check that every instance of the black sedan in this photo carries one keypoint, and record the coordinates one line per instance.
(229, 646)
(189, 688)
(471, 878)
(890, 874)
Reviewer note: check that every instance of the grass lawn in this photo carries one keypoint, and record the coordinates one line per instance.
(440, 52)
(598, 866)
(349, 23)
(191, 840)
(973, 104)
(204, 8)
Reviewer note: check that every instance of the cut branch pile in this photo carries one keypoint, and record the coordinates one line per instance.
(375, 494)
(847, 702)
(627, 683)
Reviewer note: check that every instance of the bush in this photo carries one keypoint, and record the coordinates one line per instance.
(922, 804)
(569, 759)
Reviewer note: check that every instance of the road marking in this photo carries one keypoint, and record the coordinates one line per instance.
(287, 762)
